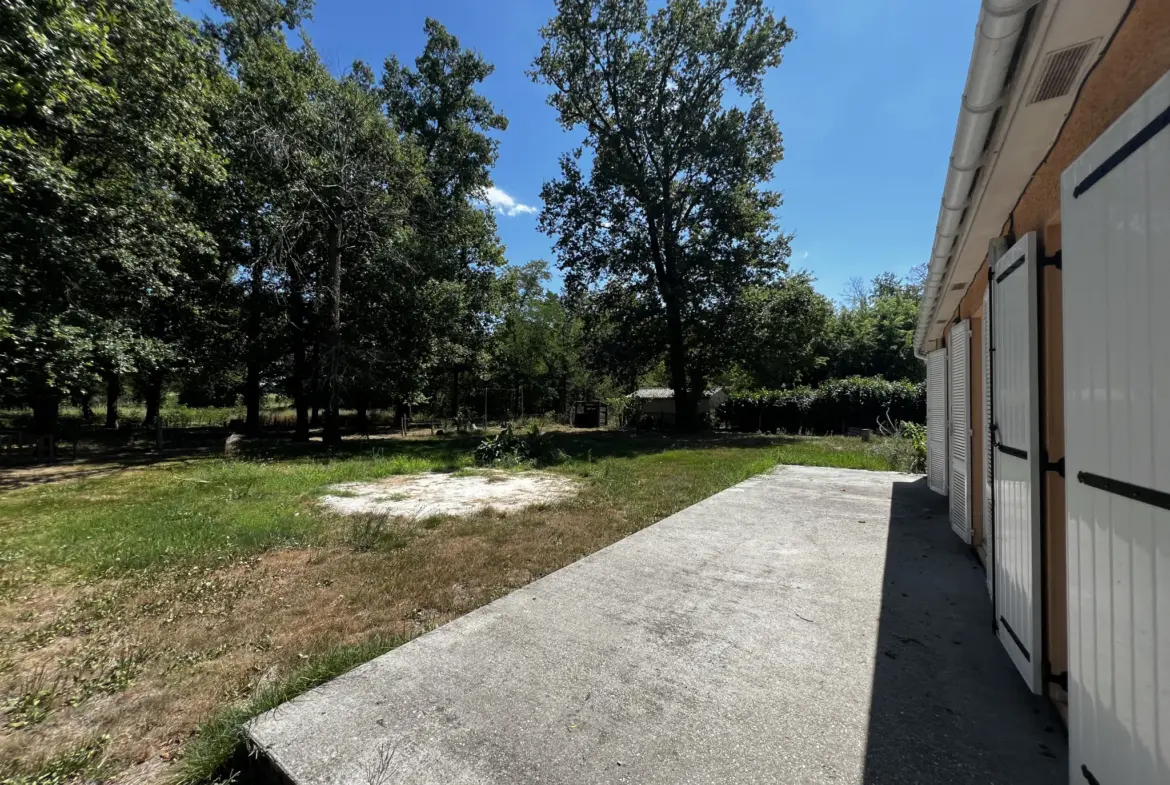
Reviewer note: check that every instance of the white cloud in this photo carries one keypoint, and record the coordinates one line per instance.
(804, 254)
(503, 203)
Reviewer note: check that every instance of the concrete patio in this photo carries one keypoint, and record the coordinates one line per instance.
(806, 626)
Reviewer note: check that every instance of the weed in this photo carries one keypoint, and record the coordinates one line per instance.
(83, 763)
(378, 771)
(117, 677)
(903, 446)
(34, 699)
(371, 531)
(509, 450)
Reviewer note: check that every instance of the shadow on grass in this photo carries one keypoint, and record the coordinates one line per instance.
(577, 445)
(111, 452)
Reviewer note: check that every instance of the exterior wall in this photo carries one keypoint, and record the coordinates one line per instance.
(658, 406)
(1136, 58)
(666, 405)
(710, 404)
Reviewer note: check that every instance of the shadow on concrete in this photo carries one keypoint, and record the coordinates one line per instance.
(948, 705)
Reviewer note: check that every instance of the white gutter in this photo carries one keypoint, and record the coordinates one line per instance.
(1000, 24)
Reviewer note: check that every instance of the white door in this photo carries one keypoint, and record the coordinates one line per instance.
(1016, 462)
(1115, 205)
(936, 421)
(988, 454)
(960, 432)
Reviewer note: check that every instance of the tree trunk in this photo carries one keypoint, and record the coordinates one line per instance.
(684, 406)
(315, 388)
(332, 435)
(400, 416)
(46, 408)
(300, 370)
(455, 391)
(698, 389)
(113, 392)
(685, 418)
(360, 400)
(255, 353)
(152, 395)
(86, 408)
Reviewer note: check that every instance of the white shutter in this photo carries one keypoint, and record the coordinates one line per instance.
(960, 431)
(985, 426)
(1115, 205)
(936, 421)
(1016, 405)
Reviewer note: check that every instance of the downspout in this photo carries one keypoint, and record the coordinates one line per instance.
(1001, 23)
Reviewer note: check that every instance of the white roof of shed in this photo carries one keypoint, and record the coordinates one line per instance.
(656, 393)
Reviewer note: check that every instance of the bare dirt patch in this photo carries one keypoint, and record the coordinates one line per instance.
(426, 495)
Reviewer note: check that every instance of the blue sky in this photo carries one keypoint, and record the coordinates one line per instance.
(866, 98)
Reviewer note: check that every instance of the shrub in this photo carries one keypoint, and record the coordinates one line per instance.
(903, 447)
(622, 411)
(507, 448)
(915, 433)
(856, 402)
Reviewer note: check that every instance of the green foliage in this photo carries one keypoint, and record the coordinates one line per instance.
(782, 333)
(104, 138)
(904, 447)
(622, 409)
(874, 334)
(915, 433)
(509, 449)
(855, 402)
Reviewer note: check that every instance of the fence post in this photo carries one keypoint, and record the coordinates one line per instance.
(158, 433)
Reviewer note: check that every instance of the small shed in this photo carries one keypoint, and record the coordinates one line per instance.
(590, 414)
(660, 400)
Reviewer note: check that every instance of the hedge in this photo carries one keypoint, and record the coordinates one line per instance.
(856, 402)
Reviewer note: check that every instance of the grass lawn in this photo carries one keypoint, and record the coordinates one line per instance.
(142, 605)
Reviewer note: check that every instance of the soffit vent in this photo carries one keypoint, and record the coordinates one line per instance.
(1058, 74)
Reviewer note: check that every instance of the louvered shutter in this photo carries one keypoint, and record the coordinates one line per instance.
(960, 430)
(988, 516)
(936, 421)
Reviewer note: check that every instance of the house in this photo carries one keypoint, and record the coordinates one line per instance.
(1047, 342)
(659, 401)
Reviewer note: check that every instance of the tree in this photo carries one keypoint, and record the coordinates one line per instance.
(782, 336)
(672, 198)
(536, 343)
(856, 294)
(104, 139)
(875, 335)
(453, 251)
